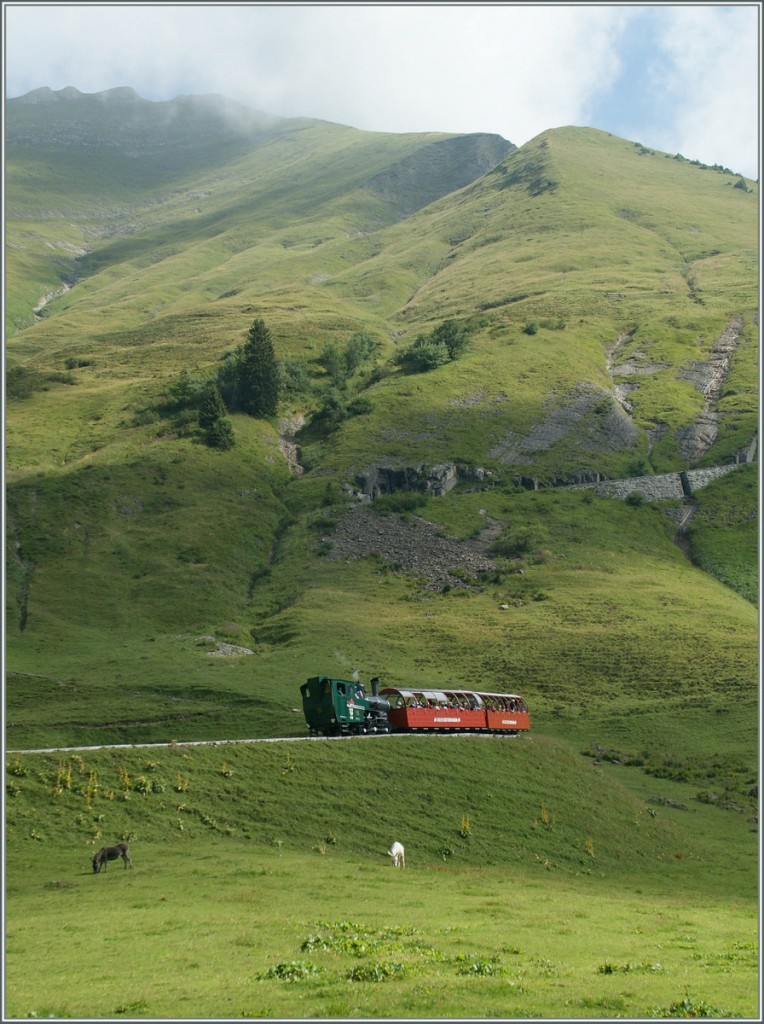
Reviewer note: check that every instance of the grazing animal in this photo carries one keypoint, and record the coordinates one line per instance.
(398, 855)
(107, 853)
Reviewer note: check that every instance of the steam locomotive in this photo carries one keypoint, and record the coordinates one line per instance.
(341, 707)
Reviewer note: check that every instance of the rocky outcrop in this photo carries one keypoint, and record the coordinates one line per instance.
(413, 545)
(661, 486)
(590, 413)
(433, 480)
(438, 169)
(288, 429)
(708, 377)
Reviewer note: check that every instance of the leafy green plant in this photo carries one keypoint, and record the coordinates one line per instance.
(378, 971)
(689, 1007)
(481, 968)
(291, 970)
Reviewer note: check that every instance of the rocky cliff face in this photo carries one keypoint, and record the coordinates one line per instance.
(709, 376)
(432, 480)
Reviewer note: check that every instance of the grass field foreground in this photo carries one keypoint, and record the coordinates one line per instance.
(229, 930)
(538, 882)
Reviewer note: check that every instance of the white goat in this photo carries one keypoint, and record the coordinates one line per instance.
(398, 855)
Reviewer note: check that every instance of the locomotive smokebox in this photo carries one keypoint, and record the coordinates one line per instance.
(378, 704)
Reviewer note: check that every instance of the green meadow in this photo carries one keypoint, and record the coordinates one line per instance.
(539, 883)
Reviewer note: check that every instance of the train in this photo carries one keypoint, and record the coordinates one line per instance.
(342, 707)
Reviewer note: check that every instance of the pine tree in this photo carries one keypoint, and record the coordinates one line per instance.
(259, 376)
(220, 434)
(211, 407)
(218, 430)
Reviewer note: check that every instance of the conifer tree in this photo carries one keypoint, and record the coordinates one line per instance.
(217, 427)
(211, 407)
(259, 377)
(220, 434)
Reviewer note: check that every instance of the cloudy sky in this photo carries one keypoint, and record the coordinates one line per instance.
(681, 78)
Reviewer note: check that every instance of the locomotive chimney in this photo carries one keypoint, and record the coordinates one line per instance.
(374, 685)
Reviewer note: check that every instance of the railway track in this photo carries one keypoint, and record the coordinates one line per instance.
(224, 743)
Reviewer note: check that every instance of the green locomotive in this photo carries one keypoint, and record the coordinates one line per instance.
(336, 707)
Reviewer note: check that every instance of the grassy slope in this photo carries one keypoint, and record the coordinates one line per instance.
(606, 248)
(581, 897)
(129, 543)
(123, 515)
(722, 539)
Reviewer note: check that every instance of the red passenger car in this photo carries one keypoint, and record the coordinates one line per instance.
(455, 711)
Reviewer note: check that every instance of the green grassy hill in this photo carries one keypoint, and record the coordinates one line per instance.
(595, 279)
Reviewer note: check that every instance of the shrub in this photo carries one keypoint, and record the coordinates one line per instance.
(376, 972)
(481, 967)
(636, 499)
(445, 342)
(220, 434)
(360, 406)
(358, 350)
(425, 354)
(21, 383)
(334, 363)
(532, 327)
(333, 411)
(518, 541)
(291, 970)
(688, 1007)
(186, 390)
(400, 501)
(453, 336)
(295, 378)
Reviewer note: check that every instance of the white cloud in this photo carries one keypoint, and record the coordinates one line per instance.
(710, 79)
(515, 70)
(512, 69)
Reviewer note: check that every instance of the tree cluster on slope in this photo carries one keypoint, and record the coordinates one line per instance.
(252, 380)
(444, 343)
